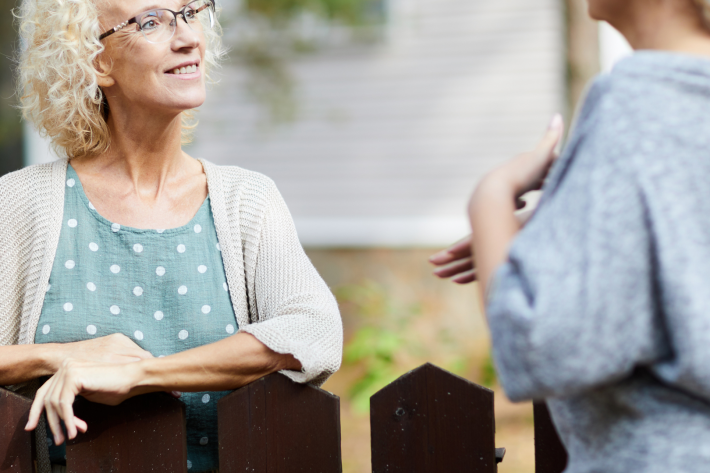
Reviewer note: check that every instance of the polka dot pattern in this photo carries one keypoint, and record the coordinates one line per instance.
(164, 289)
(230, 329)
(71, 182)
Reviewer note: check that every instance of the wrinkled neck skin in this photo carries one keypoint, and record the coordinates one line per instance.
(664, 25)
(145, 145)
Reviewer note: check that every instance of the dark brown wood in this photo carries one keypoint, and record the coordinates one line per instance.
(275, 425)
(16, 445)
(550, 454)
(431, 421)
(144, 433)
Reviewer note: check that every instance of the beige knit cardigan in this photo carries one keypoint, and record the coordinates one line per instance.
(277, 294)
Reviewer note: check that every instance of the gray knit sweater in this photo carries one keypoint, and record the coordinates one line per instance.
(603, 306)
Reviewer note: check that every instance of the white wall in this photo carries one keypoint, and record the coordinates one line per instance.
(393, 137)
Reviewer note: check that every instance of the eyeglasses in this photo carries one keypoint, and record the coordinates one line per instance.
(158, 26)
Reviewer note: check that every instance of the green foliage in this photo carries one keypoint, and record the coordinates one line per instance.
(385, 333)
(488, 372)
(265, 36)
(350, 12)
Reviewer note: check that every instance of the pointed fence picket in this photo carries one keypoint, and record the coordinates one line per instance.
(428, 420)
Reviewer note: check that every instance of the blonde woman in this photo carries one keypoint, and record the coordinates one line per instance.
(131, 267)
(600, 303)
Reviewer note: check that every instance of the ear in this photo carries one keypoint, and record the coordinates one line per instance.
(103, 68)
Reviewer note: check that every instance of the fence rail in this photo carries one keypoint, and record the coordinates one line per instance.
(428, 420)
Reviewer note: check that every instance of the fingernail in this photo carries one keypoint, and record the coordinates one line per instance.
(556, 122)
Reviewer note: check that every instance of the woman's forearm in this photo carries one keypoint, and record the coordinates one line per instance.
(227, 364)
(492, 217)
(21, 363)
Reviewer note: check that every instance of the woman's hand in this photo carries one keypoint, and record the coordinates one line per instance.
(494, 203)
(457, 261)
(115, 348)
(106, 383)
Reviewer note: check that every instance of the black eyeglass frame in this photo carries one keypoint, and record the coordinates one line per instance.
(134, 20)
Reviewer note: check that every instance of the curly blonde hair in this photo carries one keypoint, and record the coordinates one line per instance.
(57, 80)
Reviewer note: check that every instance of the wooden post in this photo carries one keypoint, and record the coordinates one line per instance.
(16, 445)
(144, 433)
(550, 454)
(274, 425)
(431, 421)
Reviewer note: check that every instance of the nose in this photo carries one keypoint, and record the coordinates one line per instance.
(185, 36)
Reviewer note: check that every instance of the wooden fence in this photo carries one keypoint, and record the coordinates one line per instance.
(427, 421)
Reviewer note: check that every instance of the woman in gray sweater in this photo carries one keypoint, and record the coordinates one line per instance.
(600, 304)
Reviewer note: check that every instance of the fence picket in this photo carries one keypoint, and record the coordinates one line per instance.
(431, 421)
(274, 425)
(144, 433)
(550, 454)
(16, 445)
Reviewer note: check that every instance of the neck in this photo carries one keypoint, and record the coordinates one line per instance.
(664, 25)
(145, 150)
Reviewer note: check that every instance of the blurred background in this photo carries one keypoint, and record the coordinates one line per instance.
(376, 118)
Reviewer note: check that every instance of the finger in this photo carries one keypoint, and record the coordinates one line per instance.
(466, 278)
(460, 249)
(53, 421)
(51, 407)
(552, 136)
(176, 394)
(37, 408)
(66, 410)
(455, 268)
(81, 425)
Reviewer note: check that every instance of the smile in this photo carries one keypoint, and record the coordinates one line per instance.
(184, 70)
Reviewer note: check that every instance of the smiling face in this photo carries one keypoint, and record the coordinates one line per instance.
(157, 78)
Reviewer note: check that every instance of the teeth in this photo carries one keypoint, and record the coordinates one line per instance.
(185, 69)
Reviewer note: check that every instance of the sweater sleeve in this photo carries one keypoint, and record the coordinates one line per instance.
(297, 313)
(574, 307)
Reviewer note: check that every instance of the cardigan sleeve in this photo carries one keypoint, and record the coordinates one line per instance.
(297, 313)
(574, 307)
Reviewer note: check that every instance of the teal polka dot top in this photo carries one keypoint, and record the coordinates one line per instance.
(165, 289)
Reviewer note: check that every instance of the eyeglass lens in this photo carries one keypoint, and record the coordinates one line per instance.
(159, 25)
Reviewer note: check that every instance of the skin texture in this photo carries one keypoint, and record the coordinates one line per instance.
(667, 25)
(145, 180)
